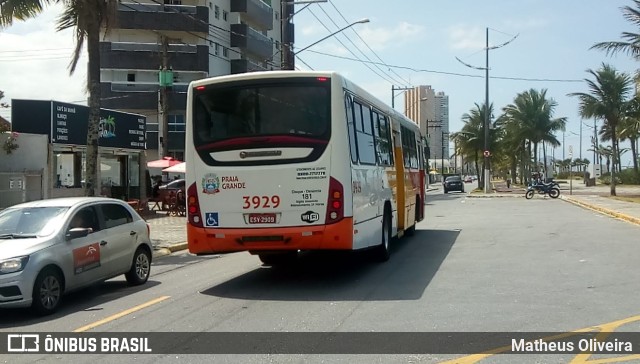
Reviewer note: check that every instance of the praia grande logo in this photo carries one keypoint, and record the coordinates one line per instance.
(210, 184)
(107, 127)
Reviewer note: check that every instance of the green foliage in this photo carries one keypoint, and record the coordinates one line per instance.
(628, 177)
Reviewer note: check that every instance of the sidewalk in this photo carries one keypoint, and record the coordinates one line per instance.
(168, 233)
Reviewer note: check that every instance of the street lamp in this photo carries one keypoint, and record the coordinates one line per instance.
(361, 21)
(487, 171)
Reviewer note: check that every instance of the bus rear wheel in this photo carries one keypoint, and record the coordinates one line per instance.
(383, 251)
(279, 258)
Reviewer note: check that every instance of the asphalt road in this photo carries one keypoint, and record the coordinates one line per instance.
(474, 265)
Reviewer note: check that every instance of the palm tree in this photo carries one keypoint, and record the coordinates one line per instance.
(630, 43)
(471, 137)
(19, 9)
(511, 145)
(3, 104)
(606, 99)
(86, 16)
(630, 129)
(531, 119)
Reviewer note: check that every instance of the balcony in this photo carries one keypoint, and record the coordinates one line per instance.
(140, 96)
(251, 41)
(163, 17)
(254, 11)
(146, 56)
(244, 65)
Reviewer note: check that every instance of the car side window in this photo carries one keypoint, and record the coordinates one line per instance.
(85, 218)
(115, 215)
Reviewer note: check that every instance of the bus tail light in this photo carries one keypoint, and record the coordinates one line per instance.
(193, 206)
(335, 205)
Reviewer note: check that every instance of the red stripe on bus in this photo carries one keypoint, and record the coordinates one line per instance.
(276, 140)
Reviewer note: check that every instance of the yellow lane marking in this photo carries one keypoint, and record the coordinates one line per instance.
(120, 314)
(606, 330)
(619, 359)
(603, 330)
(503, 349)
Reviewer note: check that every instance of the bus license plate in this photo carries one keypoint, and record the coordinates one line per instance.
(262, 218)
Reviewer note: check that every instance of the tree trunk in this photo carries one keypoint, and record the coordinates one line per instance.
(619, 155)
(635, 159)
(614, 156)
(544, 160)
(535, 156)
(92, 185)
(478, 171)
(514, 167)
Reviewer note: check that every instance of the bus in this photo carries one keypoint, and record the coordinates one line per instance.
(280, 162)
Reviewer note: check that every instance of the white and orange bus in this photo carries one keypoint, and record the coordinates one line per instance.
(286, 161)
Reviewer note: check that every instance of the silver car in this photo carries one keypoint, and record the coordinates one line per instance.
(54, 246)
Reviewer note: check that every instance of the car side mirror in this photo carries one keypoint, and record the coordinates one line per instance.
(77, 233)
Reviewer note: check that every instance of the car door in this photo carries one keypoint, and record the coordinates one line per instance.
(84, 257)
(121, 236)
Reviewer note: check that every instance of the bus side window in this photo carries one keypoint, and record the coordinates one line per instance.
(353, 147)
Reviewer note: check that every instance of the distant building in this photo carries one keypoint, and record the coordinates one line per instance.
(193, 38)
(430, 110)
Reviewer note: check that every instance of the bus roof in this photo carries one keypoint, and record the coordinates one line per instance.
(261, 74)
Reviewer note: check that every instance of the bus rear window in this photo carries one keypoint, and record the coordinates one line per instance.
(299, 107)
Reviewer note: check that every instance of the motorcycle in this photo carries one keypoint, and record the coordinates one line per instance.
(552, 189)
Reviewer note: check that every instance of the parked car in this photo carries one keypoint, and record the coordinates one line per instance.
(51, 247)
(453, 183)
(468, 179)
(177, 184)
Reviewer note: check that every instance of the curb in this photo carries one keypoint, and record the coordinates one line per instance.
(167, 250)
(603, 210)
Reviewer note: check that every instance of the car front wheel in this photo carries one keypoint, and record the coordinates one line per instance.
(140, 267)
(47, 292)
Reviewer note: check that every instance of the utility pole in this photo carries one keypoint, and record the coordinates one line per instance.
(286, 16)
(455, 155)
(487, 160)
(165, 77)
(393, 93)
(442, 133)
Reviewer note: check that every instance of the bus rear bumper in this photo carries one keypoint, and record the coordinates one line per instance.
(338, 236)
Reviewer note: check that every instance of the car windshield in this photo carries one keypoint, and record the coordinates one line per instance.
(29, 222)
(452, 179)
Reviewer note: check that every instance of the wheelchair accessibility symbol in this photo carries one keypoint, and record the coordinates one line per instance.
(211, 219)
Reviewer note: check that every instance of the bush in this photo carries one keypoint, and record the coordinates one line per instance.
(565, 175)
(607, 179)
(628, 177)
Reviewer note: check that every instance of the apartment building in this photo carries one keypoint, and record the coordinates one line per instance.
(430, 110)
(191, 38)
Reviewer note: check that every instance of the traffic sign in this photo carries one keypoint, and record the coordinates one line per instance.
(487, 153)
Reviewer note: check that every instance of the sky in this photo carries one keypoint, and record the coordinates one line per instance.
(414, 42)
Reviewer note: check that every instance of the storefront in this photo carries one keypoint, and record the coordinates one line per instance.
(122, 139)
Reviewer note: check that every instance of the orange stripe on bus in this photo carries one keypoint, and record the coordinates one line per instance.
(338, 236)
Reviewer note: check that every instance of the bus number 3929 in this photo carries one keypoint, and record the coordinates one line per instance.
(261, 201)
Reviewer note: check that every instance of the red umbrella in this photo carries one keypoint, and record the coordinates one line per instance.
(163, 163)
